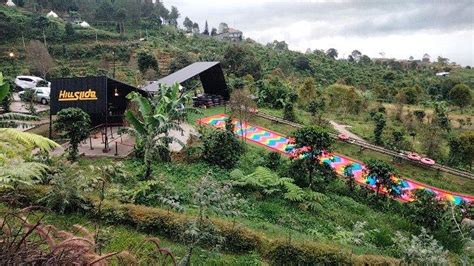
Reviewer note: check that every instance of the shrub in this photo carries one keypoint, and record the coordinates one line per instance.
(74, 124)
(236, 239)
(222, 149)
(421, 249)
(273, 160)
(287, 253)
(147, 61)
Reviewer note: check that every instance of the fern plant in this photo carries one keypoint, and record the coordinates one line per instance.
(269, 182)
(16, 168)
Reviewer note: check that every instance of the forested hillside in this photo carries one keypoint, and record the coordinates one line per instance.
(224, 198)
(137, 43)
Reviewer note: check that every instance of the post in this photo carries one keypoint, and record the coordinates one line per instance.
(116, 148)
(106, 144)
(90, 142)
(113, 53)
(50, 135)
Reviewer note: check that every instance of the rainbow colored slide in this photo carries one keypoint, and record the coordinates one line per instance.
(279, 143)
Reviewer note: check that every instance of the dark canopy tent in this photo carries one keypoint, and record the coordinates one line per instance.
(103, 98)
(210, 73)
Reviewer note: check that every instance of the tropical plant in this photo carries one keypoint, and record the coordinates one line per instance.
(152, 122)
(16, 168)
(153, 192)
(421, 249)
(267, 181)
(73, 125)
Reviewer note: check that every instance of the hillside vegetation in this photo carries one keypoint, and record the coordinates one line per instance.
(227, 200)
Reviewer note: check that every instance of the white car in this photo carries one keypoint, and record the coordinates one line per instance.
(40, 94)
(29, 82)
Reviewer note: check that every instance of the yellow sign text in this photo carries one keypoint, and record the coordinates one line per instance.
(88, 95)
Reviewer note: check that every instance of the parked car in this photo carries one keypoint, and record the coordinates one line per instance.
(28, 82)
(40, 94)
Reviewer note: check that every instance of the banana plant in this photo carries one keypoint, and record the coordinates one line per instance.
(152, 122)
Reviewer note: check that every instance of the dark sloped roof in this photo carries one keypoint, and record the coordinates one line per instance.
(181, 75)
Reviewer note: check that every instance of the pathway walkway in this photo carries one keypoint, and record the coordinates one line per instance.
(277, 142)
(343, 129)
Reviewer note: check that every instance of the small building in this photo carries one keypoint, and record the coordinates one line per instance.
(103, 98)
(231, 34)
(52, 14)
(210, 74)
(10, 3)
(84, 24)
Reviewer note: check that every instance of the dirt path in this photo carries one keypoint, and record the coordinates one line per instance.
(343, 129)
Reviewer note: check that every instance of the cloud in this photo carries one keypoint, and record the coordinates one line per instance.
(321, 23)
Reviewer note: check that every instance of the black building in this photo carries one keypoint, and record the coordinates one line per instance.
(103, 98)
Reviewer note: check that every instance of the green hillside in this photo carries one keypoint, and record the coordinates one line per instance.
(257, 208)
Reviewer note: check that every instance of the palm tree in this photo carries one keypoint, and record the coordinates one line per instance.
(155, 117)
(16, 147)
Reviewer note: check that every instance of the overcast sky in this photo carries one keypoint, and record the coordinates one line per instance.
(396, 28)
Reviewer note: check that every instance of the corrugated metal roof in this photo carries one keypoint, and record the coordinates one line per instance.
(181, 75)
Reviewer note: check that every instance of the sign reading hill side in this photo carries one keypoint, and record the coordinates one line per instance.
(89, 95)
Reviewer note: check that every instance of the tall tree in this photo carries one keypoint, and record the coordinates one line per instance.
(206, 29)
(242, 107)
(441, 118)
(461, 95)
(105, 11)
(195, 28)
(379, 119)
(331, 52)
(382, 173)
(461, 150)
(41, 23)
(188, 24)
(173, 16)
(38, 58)
(311, 142)
(240, 60)
(431, 141)
(213, 32)
(356, 55)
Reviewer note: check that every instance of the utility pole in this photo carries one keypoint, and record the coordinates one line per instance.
(113, 53)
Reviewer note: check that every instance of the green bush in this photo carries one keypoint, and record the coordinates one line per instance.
(237, 239)
(287, 253)
(273, 160)
(222, 149)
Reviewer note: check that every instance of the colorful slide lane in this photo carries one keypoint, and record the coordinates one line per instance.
(277, 142)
